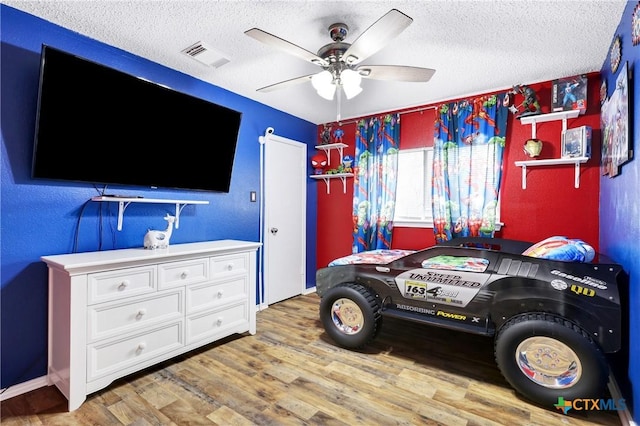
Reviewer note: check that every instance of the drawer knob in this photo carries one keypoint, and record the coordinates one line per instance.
(142, 312)
(123, 285)
(229, 266)
(220, 293)
(141, 346)
(219, 321)
(184, 275)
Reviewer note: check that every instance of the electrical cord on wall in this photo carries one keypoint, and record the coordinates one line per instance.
(75, 238)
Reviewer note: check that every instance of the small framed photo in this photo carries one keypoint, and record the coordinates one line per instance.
(576, 142)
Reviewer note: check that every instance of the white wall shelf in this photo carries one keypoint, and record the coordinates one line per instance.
(328, 147)
(554, 116)
(327, 178)
(123, 203)
(552, 162)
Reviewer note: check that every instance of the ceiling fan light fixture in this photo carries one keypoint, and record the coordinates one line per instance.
(350, 81)
(323, 83)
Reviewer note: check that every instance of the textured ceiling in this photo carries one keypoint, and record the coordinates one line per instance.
(475, 46)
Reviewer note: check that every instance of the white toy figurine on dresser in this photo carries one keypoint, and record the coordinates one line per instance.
(159, 239)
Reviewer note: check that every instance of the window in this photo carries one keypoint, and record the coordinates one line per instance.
(413, 194)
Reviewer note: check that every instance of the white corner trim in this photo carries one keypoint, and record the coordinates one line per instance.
(24, 387)
(614, 390)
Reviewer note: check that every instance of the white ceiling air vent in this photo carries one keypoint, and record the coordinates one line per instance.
(205, 54)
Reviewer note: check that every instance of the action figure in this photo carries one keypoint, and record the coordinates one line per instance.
(569, 96)
(530, 104)
(337, 135)
(326, 135)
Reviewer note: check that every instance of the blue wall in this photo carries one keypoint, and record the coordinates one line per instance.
(620, 208)
(41, 218)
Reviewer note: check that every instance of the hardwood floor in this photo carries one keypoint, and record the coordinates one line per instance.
(290, 373)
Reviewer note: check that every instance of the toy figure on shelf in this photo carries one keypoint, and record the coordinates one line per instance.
(347, 164)
(530, 104)
(569, 97)
(338, 135)
(319, 163)
(326, 135)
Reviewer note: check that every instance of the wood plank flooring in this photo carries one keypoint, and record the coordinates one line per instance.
(290, 373)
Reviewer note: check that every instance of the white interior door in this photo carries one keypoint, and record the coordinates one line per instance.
(285, 218)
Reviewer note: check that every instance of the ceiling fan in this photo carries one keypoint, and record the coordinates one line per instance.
(340, 61)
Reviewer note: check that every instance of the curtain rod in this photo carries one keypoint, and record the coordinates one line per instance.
(342, 123)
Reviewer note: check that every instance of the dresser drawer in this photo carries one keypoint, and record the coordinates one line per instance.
(210, 295)
(214, 323)
(233, 264)
(182, 273)
(110, 319)
(119, 354)
(121, 283)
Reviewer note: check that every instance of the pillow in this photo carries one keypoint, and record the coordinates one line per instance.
(562, 248)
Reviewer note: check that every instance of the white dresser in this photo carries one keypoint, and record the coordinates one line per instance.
(112, 313)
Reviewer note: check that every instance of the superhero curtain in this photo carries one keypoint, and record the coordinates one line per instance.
(469, 141)
(375, 179)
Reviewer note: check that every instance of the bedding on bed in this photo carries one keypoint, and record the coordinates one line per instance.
(372, 256)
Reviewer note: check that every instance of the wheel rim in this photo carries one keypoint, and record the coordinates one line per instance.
(347, 316)
(548, 362)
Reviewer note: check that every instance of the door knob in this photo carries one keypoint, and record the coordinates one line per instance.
(274, 231)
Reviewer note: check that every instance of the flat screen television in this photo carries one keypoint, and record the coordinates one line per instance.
(99, 125)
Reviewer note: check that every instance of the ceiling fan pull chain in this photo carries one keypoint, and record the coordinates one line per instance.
(339, 97)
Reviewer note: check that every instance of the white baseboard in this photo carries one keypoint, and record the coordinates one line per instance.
(614, 390)
(309, 290)
(24, 387)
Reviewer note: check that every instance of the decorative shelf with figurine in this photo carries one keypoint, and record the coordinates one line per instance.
(553, 116)
(321, 161)
(328, 147)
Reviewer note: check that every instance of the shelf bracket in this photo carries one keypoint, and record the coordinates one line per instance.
(524, 176)
(122, 206)
(344, 183)
(327, 149)
(577, 178)
(179, 208)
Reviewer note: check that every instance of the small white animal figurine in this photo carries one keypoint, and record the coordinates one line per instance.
(159, 239)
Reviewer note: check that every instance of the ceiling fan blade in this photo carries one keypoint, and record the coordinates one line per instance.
(396, 73)
(286, 46)
(285, 84)
(377, 36)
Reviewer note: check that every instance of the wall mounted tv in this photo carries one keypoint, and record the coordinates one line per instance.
(99, 125)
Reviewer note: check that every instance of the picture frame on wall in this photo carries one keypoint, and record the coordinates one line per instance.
(614, 119)
(576, 142)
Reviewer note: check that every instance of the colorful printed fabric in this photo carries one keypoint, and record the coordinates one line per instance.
(469, 140)
(374, 183)
(457, 263)
(379, 256)
(562, 248)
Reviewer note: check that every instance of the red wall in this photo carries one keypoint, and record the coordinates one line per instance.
(550, 205)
